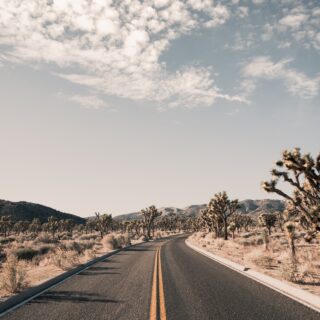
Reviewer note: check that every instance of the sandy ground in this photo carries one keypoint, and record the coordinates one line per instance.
(273, 262)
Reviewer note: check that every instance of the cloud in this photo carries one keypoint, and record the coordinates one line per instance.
(115, 46)
(257, 2)
(293, 21)
(297, 83)
(87, 101)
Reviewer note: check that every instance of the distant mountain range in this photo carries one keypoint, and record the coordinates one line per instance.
(27, 211)
(252, 207)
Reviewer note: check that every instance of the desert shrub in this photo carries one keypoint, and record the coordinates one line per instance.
(65, 236)
(65, 260)
(87, 245)
(26, 253)
(210, 236)
(260, 241)
(110, 242)
(44, 249)
(289, 272)
(127, 240)
(73, 246)
(220, 243)
(143, 238)
(120, 241)
(247, 234)
(90, 236)
(90, 254)
(262, 259)
(247, 242)
(6, 240)
(13, 276)
(45, 238)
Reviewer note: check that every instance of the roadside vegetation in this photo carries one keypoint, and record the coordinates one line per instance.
(32, 252)
(283, 244)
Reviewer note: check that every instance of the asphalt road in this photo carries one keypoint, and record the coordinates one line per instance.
(194, 287)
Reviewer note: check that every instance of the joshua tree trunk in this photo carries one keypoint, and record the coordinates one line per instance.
(225, 229)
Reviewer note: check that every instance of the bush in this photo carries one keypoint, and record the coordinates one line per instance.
(126, 239)
(110, 242)
(46, 238)
(289, 272)
(44, 250)
(264, 260)
(65, 260)
(26, 253)
(90, 236)
(13, 276)
(220, 243)
(120, 241)
(6, 240)
(73, 246)
(143, 238)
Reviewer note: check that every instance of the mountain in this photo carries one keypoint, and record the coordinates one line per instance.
(27, 211)
(252, 207)
(255, 207)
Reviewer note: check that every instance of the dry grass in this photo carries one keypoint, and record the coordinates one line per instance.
(31, 259)
(249, 249)
(13, 275)
(65, 259)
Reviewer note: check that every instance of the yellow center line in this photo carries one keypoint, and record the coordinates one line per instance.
(153, 305)
(163, 314)
(157, 276)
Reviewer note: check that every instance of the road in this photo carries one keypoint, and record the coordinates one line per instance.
(157, 281)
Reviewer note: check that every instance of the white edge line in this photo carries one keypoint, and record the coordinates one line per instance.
(238, 268)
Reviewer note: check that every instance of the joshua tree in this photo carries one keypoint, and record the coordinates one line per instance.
(20, 226)
(302, 174)
(246, 221)
(67, 225)
(5, 224)
(150, 214)
(103, 222)
(53, 225)
(90, 225)
(221, 206)
(290, 230)
(35, 225)
(267, 220)
(280, 219)
(232, 228)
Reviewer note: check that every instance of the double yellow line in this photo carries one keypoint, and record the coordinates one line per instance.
(155, 294)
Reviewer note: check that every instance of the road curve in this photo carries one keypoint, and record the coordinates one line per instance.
(187, 285)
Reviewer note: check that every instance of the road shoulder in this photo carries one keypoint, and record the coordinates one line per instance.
(308, 299)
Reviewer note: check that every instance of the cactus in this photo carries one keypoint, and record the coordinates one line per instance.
(102, 222)
(290, 228)
(267, 220)
(222, 207)
(6, 225)
(232, 228)
(150, 214)
(302, 174)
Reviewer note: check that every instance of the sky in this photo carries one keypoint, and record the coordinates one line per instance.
(112, 106)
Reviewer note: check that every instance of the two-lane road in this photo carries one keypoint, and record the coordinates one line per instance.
(161, 280)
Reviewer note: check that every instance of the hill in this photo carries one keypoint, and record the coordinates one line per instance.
(23, 210)
(252, 207)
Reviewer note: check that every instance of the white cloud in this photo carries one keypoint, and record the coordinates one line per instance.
(296, 82)
(87, 101)
(293, 21)
(114, 45)
(258, 1)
